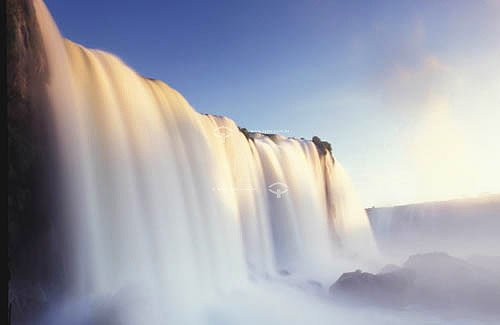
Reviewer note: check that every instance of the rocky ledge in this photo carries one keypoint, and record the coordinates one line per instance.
(434, 281)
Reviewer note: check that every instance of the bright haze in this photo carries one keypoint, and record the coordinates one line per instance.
(407, 92)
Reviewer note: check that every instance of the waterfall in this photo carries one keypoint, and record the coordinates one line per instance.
(460, 226)
(163, 200)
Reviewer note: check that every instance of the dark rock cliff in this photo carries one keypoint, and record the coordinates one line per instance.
(32, 245)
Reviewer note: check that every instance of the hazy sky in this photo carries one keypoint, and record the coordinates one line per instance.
(407, 92)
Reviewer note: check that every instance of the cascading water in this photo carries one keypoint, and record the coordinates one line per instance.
(179, 206)
(460, 226)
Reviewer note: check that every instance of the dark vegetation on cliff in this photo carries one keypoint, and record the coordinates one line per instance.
(323, 146)
(246, 133)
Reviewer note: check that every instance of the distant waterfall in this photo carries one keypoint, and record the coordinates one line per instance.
(460, 226)
(179, 203)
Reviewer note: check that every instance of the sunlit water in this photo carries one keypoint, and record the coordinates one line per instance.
(172, 216)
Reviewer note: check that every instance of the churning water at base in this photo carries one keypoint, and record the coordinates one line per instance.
(171, 210)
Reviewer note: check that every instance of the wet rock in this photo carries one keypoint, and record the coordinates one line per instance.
(32, 173)
(284, 273)
(384, 288)
(434, 281)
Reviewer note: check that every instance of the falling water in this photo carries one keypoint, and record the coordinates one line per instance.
(180, 206)
(461, 227)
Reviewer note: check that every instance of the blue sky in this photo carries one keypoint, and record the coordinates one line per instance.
(407, 92)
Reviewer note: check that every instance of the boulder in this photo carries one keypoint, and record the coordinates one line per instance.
(284, 273)
(380, 288)
(433, 281)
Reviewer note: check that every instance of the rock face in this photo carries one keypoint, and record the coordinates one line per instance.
(32, 246)
(26, 69)
(383, 288)
(430, 281)
(323, 146)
